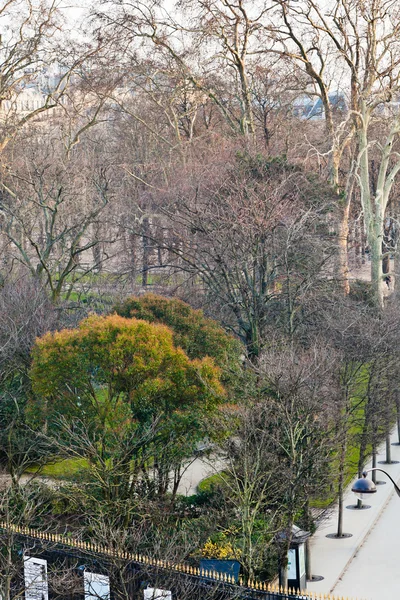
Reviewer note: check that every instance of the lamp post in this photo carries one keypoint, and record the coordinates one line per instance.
(363, 487)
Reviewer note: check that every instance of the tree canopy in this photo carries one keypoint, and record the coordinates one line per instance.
(197, 335)
(119, 373)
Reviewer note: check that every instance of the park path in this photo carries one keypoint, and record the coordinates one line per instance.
(198, 470)
(364, 566)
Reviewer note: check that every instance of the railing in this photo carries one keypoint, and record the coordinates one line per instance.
(250, 588)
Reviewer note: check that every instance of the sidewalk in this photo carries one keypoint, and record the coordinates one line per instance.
(332, 557)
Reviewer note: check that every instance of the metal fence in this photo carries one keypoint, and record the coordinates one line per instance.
(139, 570)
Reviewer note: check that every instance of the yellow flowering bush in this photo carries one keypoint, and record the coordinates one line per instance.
(221, 549)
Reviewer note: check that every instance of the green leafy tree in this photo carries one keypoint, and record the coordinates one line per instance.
(192, 331)
(121, 381)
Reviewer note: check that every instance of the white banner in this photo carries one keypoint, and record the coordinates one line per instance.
(97, 587)
(35, 575)
(156, 594)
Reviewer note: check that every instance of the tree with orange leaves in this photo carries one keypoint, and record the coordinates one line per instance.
(122, 395)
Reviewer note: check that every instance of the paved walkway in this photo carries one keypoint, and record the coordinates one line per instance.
(198, 470)
(359, 566)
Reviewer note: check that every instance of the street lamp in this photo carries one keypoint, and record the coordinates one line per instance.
(363, 487)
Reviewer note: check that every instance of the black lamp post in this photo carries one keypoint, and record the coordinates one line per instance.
(363, 487)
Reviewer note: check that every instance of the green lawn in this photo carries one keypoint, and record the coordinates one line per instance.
(68, 468)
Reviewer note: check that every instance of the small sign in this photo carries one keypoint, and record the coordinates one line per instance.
(291, 566)
(35, 576)
(156, 594)
(97, 587)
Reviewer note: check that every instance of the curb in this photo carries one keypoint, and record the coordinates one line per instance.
(362, 541)
(367, 533)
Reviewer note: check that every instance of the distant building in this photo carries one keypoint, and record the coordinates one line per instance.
(311, 108)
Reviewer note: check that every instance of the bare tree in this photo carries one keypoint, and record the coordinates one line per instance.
(245, 232)
(48, 210)
(353, 46)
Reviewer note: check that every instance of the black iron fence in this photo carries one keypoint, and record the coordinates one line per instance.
(133, 572)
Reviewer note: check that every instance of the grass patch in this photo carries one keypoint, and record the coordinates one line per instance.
(68, 468)
(207, 484)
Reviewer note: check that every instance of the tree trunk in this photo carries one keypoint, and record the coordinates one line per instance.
(342, 461)
(308, 523)
(376, 266)
(343, 257)
(388, 448)
(398, 415)
(132, 250)
(283, 575)
(374, 463)
(146, 252)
